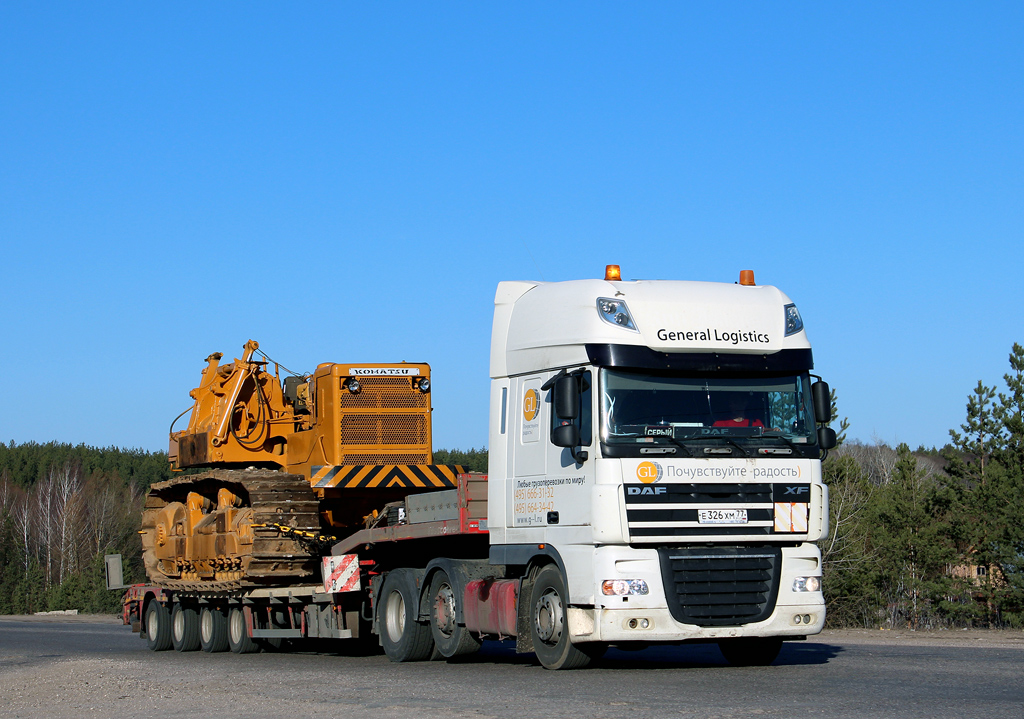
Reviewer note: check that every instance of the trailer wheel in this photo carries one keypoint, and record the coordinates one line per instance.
(450, 638)
(549, 625)
(158, 627)
(213, 630)
(239, 640)
(404, 639)
(184, 628)
(750, 651)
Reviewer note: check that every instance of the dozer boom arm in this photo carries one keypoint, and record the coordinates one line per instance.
(233, 387)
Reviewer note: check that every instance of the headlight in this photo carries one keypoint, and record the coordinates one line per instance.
(424, 385)
(621, 587)
(807, 584)
(794, 323)
(615, 312)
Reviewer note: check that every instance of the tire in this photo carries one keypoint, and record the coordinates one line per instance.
(184, 628)
(450, 638)
(751, 652)
(213, 630)
(404, 638)
(158, 627)
(549, 625)
(239, 640)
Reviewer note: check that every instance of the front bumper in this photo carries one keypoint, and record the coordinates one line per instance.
(657, 625)
(647, 618)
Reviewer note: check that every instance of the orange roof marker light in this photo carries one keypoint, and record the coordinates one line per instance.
(612, 273)
(747, 277)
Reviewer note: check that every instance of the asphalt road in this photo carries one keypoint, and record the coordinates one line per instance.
(85, 669)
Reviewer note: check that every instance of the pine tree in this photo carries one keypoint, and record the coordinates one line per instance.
(1009, 539)
(912, 542)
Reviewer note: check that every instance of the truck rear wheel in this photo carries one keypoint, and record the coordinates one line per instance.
(213, 630)
(403, 637)
(239, 640)
(450, 638)
(158, 627)
(184, 628)
(750, 651)
(549, 627)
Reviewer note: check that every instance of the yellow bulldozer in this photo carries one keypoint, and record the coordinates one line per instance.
(271, 469)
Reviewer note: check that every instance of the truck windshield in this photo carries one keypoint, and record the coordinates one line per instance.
(639, 407)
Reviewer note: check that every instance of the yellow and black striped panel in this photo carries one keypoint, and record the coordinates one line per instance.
(388, 475)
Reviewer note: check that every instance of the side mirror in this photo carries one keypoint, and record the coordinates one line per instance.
(822, 399)
(566, 435)
(826, 437)
(567, 399)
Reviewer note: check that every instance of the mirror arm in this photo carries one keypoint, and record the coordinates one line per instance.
(551, 380)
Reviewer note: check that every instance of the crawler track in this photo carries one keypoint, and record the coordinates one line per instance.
(273, 497)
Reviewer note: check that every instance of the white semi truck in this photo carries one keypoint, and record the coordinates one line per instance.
(659, 442)
(654, 476)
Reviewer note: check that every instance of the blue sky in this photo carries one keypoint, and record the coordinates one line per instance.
(349, 182)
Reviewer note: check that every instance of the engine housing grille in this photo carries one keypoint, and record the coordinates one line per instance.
(722, 585)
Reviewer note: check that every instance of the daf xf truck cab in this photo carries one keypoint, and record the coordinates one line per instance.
(659, 442)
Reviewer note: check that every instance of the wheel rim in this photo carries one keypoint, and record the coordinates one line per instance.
(548, 618)
(178, 625)
(153, 625)
(206, 625)
(395, 619)
(444, 610)
(236, 627)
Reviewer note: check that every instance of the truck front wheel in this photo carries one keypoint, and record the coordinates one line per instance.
(403, 637)
(549, 626)
(750, 651)
(451, 638)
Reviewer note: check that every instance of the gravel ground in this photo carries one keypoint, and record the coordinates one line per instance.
(1002, 638)
(63, 618)
(991, 638)
(98, 670)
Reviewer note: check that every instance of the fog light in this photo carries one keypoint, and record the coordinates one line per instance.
(632, 623)
(622, 587)
(644, 623)
(798, 619)
(807, 584)
(807, 619)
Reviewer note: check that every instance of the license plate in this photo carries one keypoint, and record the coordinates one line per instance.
(721, 516)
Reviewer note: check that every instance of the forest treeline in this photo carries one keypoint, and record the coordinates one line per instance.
(922, 538)
(926, 539)
(62, 507)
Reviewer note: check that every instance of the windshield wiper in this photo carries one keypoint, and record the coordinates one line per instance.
(797, 449)
(679, 444)
(737, 445)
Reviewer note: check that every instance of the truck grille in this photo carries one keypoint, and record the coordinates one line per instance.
(721, 586)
